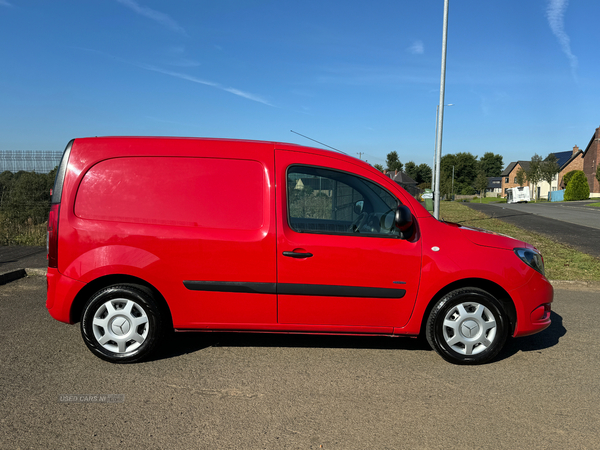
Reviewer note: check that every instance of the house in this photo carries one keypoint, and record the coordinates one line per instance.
(405, 181)
(591, 155)
(567, 161)
(562, 159)
(576, 159)
(509, 176)
(586, 160)
(575, 162)
(494, 187)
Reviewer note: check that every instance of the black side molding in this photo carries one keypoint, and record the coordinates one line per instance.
(319, 290)
(231, 286)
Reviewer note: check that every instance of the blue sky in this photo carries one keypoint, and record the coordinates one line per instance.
(523, 75)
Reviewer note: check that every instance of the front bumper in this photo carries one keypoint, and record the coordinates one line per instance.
(533, 305)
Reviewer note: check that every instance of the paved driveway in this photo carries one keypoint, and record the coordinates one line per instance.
(571, 223)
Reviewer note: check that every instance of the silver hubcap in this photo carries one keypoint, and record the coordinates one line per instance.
(469, 328)
(120, 325)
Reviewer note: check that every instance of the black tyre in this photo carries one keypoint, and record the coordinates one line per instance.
(467, 326)
(122, 323)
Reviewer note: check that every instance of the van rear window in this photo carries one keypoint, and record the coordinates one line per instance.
(192, 192)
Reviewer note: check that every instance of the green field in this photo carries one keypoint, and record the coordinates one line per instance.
(562, 262)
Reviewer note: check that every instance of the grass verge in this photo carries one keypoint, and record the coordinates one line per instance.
(562, 262)
(488, 200)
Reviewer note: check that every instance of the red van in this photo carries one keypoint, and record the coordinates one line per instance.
(148, 235)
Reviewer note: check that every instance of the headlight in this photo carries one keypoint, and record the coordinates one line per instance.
(532, 258)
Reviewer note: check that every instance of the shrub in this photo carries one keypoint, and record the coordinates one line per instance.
(567, 177)
(578, 187)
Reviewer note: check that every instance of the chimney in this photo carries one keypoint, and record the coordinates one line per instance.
(396, 172)
(385, 171)
(575, 149)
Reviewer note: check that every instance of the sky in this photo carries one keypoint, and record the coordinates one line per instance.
(363, 77)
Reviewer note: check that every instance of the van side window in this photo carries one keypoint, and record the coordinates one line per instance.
(332, 202)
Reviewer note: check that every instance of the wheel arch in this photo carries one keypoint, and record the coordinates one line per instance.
(109, 280)
(490, 287)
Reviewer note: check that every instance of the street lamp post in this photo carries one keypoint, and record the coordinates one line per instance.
(440, 116)
(435, 146)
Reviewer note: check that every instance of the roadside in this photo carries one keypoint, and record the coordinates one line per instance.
(583, 238)
(19, 261)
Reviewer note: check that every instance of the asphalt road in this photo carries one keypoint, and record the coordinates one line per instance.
(249, 391)
(571, 223)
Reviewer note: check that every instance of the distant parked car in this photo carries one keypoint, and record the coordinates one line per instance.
(147, 235)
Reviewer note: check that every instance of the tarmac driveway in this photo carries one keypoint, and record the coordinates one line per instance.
(572, 212)
(571, 223)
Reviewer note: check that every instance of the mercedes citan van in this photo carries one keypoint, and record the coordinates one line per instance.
(150, 235)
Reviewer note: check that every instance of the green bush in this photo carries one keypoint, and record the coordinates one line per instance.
(578, 187)
(24, 206)
(567, 177)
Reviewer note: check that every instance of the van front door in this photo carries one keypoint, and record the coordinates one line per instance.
(341, 264)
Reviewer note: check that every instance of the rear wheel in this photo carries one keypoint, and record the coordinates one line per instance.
(122, 323)
(467, 326)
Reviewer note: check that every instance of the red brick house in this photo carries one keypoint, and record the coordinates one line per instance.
(586, 160)
(591, 155)
(575, 162)
(509, 176)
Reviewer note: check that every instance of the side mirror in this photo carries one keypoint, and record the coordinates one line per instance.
(358, 207)
(403, 218)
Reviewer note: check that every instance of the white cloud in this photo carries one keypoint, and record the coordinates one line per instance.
(152, 14)
(193, 79)
(417, 48)
(556, 15)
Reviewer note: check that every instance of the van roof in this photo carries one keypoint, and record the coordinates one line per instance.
(145, 140)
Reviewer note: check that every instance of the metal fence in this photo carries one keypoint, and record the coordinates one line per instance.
(25, 183)
(28, 160)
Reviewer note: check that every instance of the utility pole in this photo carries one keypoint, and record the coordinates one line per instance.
(359, 155)
(440, 117)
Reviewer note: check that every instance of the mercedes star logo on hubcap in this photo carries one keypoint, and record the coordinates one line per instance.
(469, 328)
(120, 326)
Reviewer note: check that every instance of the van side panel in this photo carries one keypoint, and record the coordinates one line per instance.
(193, 216)
(196, 193)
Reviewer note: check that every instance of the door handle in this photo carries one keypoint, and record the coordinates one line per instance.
(297, 254)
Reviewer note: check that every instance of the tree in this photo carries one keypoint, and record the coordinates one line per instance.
(378, 167)
(481, 184)
(393, 162)
(578, 187)
(549, 168)
(598, 173)
(521, 176)
(567, 177)
(410, 169)
(465, 171)
(421, 173)
(29, 198)
(534, 173)
(424, 173)
(491, 164)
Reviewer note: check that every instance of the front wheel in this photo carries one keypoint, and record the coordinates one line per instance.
(467, 326)
(121, 323)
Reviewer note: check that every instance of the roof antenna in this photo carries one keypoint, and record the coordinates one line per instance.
(319, 142)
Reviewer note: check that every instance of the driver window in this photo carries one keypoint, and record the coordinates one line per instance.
(331, 202)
